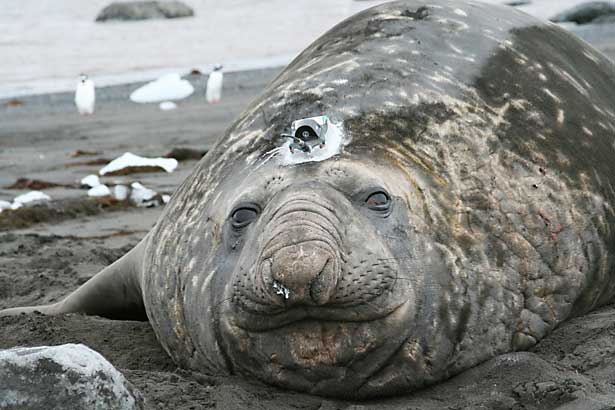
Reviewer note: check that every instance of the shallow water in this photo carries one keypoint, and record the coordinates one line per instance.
(45, 44)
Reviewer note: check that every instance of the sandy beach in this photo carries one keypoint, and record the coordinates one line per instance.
(44, 257)
(41, 262)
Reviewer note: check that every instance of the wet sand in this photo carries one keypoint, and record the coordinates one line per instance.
(39, 264)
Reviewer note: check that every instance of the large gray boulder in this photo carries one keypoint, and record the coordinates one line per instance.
(585, 13)
(144, 10)
(69, 376)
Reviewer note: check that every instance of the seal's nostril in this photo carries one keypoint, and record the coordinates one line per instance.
(304, 273)
(323, 285)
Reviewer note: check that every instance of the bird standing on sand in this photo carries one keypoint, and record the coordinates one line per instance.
(214, 85)
(85, 96)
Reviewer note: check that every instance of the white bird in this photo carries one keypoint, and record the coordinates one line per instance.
(214, 85)
(85, 96)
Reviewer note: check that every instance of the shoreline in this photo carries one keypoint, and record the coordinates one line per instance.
(64, 85)
(39, 133)
(42, 55)
(600, 36)
(62, 101)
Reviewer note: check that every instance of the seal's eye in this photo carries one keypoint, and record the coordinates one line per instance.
(243, 216)
(378, 201)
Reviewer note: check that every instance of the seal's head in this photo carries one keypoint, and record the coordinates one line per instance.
(325, 266)
(322, 277)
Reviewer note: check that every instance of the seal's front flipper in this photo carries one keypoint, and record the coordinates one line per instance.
(114, 292)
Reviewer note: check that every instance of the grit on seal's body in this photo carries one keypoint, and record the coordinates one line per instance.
(468, 212)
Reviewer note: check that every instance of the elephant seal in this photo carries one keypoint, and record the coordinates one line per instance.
(461, 208)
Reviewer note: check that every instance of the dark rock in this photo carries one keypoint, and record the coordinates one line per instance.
(82, 153)
(12, 103)
(89, 163)
(185, 154)
(419, 14)
(35, 184)
(62, 377)
(585, 13)
(605, 19)
(57, 211)
(517, 3)
(144, 10)
(134, 170)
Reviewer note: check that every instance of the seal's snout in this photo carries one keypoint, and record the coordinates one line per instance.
(302, 274)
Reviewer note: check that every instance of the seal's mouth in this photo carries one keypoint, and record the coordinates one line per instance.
(250, 317)
(323, 351)
(268, 304)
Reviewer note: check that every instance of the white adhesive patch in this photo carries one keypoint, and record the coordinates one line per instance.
(335, 139)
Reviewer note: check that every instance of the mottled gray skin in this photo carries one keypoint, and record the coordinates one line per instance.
(493, 135)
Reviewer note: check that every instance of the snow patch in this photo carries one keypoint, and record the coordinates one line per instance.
(131, 160)
(5, 205)
(99, 190)
(32, 196)
(167, 88)
(121, 192)
(91, 181)
(167, 105)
